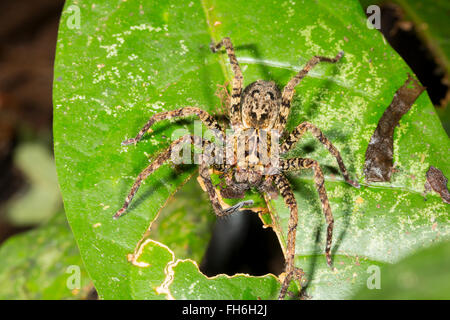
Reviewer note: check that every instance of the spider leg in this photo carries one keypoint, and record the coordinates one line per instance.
(155, 165)
(317, 133)
(301, 163)
(289, 89)
(282, 183)
(235, 103)
(204, 116)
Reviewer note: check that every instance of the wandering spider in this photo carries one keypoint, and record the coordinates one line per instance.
(260, 108)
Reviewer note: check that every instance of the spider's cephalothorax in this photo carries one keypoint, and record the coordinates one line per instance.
(257, 114)
(260, 104)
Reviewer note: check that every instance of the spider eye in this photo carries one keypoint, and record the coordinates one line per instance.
(271, 96)
(254, 92)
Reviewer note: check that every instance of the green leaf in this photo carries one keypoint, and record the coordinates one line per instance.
(424, 275)
(130, 60)
(156, 273)
(373, 226)
(43, 264)
(189, 238)
(431, 25)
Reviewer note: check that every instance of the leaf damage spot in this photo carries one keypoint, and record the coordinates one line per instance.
(438, 182)
(133, 257)
(168, 271)
(379, 154)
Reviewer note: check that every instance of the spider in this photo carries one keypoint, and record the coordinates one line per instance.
(260, 107)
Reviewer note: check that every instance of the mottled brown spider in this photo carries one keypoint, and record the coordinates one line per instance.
(257, 114)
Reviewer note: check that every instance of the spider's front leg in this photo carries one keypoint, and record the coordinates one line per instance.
(317, 133)
(204, 116)
(235, 103)
(291, 272)
(301, 163)
(289, 89)
(160, 159)
(163, 157)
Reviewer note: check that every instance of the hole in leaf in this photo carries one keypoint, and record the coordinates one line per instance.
(240, 244)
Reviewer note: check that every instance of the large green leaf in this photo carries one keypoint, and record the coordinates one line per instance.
(130, 60)
(424, 275)
(190, 238)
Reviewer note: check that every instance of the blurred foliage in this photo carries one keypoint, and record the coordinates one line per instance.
(34, 264)
(40, 199)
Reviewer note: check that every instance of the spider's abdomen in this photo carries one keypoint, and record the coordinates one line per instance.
(260, 104)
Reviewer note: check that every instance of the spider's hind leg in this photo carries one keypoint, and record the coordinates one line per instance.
(291, 272)
(317, 133)
(301, 163)
(234, 111)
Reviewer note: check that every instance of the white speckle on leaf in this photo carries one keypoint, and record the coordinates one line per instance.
(184, 49)
(132, 57)
(145, 26)
(111, 51)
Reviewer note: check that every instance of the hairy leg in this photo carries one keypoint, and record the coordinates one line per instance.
(316, 132)
(291, 272)
(301, 163)
(235, 103)
(160, 159)
(289, 89)
(204, 116)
